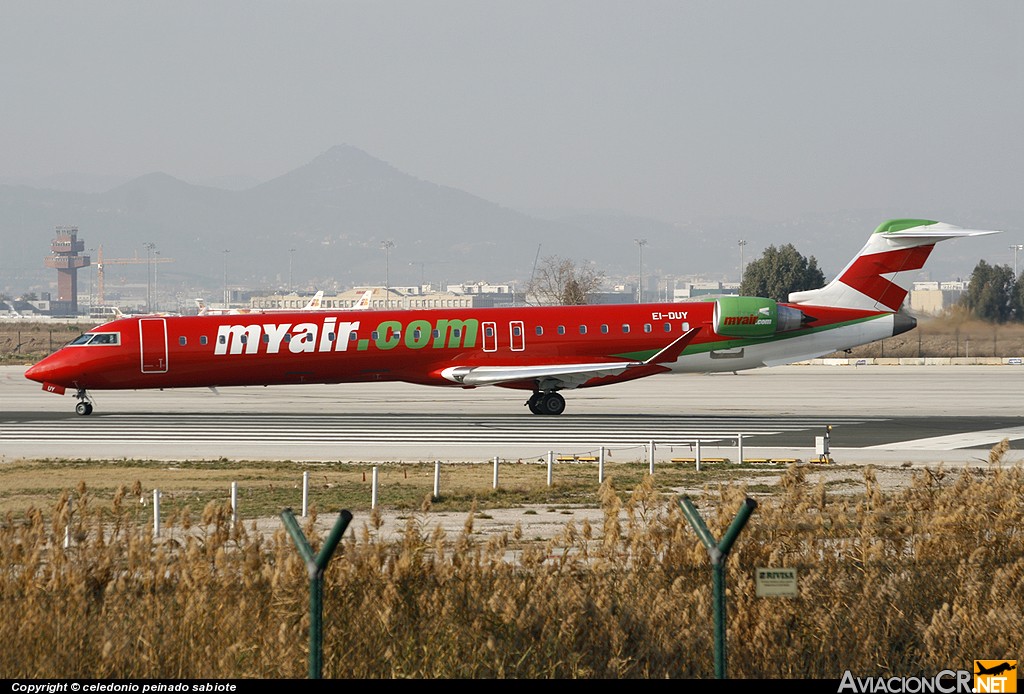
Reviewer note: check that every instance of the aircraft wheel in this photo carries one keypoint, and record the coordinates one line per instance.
(534, 403)
(83, 408)
(551, 403)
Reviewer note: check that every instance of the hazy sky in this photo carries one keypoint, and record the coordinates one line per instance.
(666, 109)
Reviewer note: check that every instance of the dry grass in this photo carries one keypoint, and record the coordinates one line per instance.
(892, 582)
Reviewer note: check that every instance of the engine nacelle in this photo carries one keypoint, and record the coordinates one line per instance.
(751, 316)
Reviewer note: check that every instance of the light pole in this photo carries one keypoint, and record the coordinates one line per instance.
(156, 282)
(387, 246)
(149, 276)
(741, 244)
(92, 271)
(640, 270)
(1016, 247)
(226, 251)
(291, 256)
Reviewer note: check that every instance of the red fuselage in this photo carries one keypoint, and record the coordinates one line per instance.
(414, 346)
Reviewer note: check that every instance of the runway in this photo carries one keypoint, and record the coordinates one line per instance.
(881, 414)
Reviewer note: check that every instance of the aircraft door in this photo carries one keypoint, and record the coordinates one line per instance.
(490, 336)
(517, 337)
(153, 345)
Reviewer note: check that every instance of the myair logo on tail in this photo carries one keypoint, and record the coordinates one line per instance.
(879, 277)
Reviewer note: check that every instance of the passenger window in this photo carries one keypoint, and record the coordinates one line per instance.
(517, 330)
(489, 331)
(583, 330)
(457, 332)
(435, 333)
(287, 337)
(331, 337)
(202, 339)
(266, 339)
(625, 327)
(416, 334)
(374, 335)
(182, 341)
(668, 327)
(604, 328)
(352, 336)
(223, 339)
(647, 327)
(561, 330)
(540, 330)
(245, 339)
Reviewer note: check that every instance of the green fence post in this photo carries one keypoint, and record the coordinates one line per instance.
(315, 568)
(718, 552)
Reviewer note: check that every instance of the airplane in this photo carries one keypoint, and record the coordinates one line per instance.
(997, 670)
(541, 349)
(312, 305)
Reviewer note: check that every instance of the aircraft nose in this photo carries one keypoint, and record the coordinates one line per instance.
(49, 370)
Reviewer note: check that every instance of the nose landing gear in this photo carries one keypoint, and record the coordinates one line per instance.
(546, 403)
(84, 406)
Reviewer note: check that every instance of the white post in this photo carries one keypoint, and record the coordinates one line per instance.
(697, 458)
(373, 487)
(739, 447)
(234, 503)
(494, 481)
(67, 528)
(600, 466)
(305, 493)
(156, 513)
(551, 465)
(437, 478)
(650, 458)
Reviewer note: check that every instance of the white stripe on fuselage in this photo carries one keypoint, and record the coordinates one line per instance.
(788, 350)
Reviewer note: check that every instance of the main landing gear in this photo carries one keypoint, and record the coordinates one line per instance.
(546, 403)
(84, 406)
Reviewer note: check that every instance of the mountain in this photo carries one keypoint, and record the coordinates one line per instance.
(338, 211)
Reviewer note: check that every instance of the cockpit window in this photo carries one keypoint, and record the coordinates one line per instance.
(97, 339)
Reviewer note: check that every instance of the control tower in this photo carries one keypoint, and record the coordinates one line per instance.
(65, 259)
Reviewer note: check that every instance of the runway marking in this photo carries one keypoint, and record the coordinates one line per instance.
(316, 430)
(968, 439)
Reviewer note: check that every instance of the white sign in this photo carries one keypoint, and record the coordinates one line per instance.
(774, 582)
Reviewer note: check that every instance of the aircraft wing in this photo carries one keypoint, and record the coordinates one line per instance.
(565, 375)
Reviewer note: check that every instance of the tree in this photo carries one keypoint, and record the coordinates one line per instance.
(780, 271)
(991, 294)
(560, 281)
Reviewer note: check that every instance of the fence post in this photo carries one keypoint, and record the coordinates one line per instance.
(373, 488)
(156, 513)
(437, 478)
(600, 465)
(650, 458)
(551, 465)
(494, 481)
(697, 457)
(234, 503)
(305, 493)
(315, 569)
(718, 553)
(739, 448)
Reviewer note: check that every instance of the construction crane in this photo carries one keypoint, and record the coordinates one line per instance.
(100, 263)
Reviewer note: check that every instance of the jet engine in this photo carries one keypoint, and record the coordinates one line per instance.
(750, 316)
